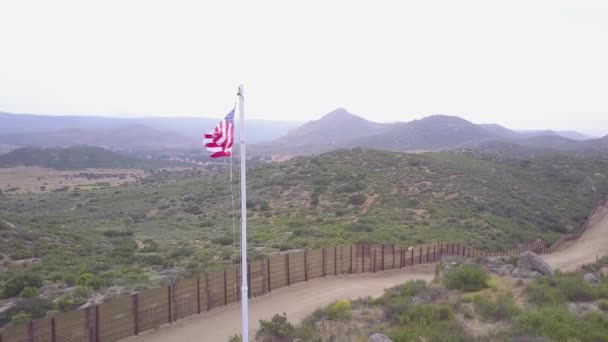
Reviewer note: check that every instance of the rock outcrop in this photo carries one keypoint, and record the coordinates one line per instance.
(378, 338)
(530, 261)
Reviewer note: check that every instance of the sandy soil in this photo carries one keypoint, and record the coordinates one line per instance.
(300, 300)
(297, 301)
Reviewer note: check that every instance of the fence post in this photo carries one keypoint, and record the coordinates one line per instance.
(225, 288)
(350, 269)
(198, 294)
(420, 256)
(248, 280)
(30, 330)
(53, 331)
(287, 268)
(97, 324)
(363, 258)
(335, 260)
(323, 258)
(268, 267)
(434, 252)
(393, 247)
(305, 266)
(135, 306)
(427, 253)
(382, 251)
(237, 268)
(207, 291)
(412, 262)
(169, 303)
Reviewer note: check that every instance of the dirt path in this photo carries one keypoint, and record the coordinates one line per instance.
(298, 301)
(591, 245)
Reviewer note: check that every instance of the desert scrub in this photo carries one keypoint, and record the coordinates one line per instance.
(277, 328)
(561, 288)
(558, 324)
(501, 308)
(467, 278)
(339, 311)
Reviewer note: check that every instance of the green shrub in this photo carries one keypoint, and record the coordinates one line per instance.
(558, 324)
(88, 279)
(503, 307)
(360, 227)
(603, 304)
(21, 317)
(467, 278)
(28, 292)
(117, 233)
(339, 311)
(357, 199)
(235, 338)
(82, 292)
(559, 289)
(277, 327)
(19, 281)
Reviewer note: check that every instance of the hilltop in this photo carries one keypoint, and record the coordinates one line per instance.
(75, 158)
(342, 129)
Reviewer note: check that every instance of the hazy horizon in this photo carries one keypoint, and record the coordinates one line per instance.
(523, 65)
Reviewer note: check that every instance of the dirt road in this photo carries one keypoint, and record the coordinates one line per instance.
(300, 300)
(591, 245)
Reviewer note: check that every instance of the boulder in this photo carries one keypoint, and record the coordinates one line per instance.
(591, 278)
(505, 269)
(520, 272)
(378, 338)
(531, 261)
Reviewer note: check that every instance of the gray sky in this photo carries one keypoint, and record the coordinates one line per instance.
(523, 64)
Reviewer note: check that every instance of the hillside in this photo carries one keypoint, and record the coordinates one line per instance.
(74, 158)
(176, 223)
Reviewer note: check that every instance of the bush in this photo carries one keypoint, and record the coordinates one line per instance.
(117, 233)
(28, 292)
(603, 304)
(501, 308)
(558, 324)
(18, 282)
(339, 311)
(21, 318)
(360, 227)
(357, 199)
(88, 279)
(277, 327)
(82, 292)
(467, 278)
(559, 289)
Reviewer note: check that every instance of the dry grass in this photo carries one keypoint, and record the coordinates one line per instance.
(34, 179)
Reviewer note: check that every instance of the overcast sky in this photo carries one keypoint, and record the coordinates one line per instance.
(524, 64)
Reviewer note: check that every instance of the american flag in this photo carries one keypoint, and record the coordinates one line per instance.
(220, 141)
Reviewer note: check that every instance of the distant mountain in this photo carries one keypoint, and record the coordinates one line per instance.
(334, 130)
(574, 135)
(341, 129)
(430, 133)
(190, 127)
(134, 136)
(75, 158)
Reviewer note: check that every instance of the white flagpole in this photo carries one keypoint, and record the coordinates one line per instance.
(244, 288)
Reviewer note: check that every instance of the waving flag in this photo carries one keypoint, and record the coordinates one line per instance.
(220, 141)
